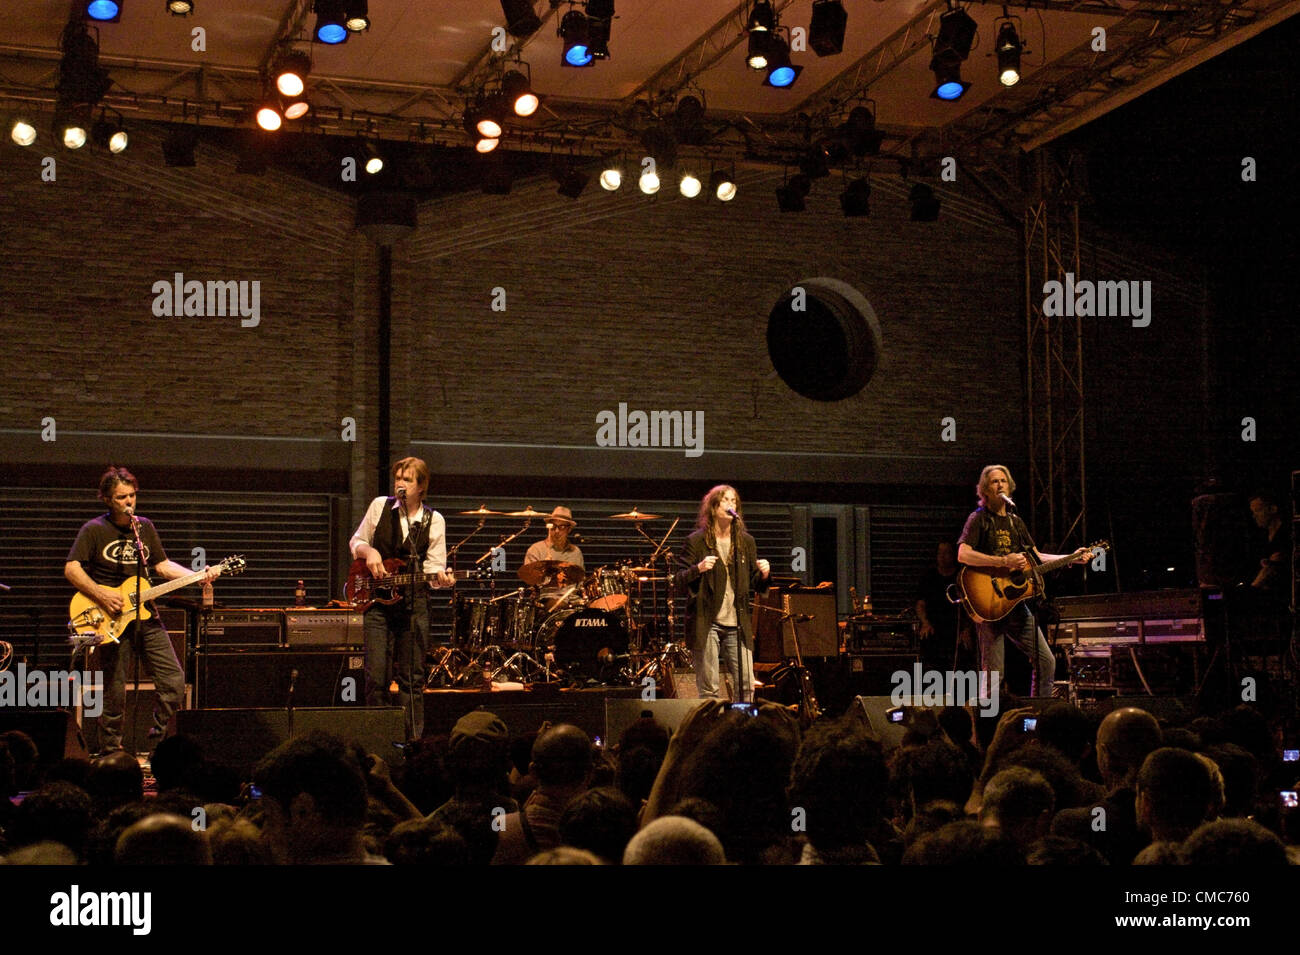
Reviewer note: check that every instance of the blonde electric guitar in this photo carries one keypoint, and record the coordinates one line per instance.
(86, 617)
(990, 594)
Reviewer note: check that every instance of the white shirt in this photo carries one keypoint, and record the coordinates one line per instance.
(435, 558)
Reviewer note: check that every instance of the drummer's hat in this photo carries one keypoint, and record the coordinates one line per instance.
(562, 515)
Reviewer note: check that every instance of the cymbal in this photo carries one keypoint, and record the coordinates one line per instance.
(634, 515)
(551, 573)
(527, 512)
(482, 511)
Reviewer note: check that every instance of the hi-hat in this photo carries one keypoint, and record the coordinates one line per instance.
(551, 573)
(634, 515)
(482, 511)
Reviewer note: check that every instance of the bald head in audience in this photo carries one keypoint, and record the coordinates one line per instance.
(674, 840)
(1124, 740)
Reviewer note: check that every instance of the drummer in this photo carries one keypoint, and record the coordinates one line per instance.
(557, 546)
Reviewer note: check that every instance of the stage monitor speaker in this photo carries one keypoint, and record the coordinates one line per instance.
(774, 637)
(620, 714)
(256, 678)
(238, 738)
(55, 732)
(871, 674)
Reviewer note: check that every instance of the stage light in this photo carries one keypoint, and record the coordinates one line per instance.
(723, 185)
(688, 121)
(72, 125)
(600, 18)
(373, 161)
(826, 31)
(570, 179)
(485, 146)
(178, 145)
(180, 8)
(761, 17)
(294, 107)
(268, 115)
(110, 135)
(925, 207)
(1008, 49)
(854, 200)
(956, 34)
(356, 16)
(780, 72)
(22, 132)
(948, 84)
(860, 130)
(290, 71)
(790, 197)
(330, 28)
(575, 31)
(105, 11)
(490, 117)
(518, 93)
(81, 79)
(756, 58)
(521, 19)
(690, 185)
(648, 183)
(611, 177)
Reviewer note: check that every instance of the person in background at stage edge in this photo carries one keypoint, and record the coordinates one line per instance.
(996, 539)
(719, 570)
(388, 531)
(102, 558)
(945, 629)
(1272, 553)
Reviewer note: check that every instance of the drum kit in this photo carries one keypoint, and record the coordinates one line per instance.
(563, 623)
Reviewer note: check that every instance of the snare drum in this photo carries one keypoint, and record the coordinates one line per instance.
(606, 589)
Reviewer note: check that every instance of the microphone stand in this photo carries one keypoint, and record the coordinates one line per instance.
(137, 637)
(408, 667)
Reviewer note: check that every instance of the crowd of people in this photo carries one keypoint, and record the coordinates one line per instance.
(727, 787)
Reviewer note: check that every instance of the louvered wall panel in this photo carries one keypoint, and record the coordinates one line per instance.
(903, 542)
(284, 538)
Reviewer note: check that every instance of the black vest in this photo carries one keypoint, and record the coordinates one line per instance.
(388, 534)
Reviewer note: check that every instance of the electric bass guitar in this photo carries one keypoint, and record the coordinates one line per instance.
(363, 589)
(86, 617)
(989, 594)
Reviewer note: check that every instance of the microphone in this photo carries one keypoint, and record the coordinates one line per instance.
(803, 617)
(293, 681)
(130, 510)
(608, 656)
(401, 499)
(1007, 500)
(731, 511)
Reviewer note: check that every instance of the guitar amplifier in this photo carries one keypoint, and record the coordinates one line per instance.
(819, 634)
(243, 628)
(880, 634)
(324, 628)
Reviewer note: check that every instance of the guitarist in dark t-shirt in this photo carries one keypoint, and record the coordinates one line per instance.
(995, 539)
(102, 558)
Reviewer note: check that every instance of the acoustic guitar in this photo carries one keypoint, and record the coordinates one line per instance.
(989, 594)
(86, 617)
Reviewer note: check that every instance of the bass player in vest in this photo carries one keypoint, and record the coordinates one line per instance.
(392, 528)
(995, 539)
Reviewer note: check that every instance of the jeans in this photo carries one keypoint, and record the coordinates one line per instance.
(1018, 627)
(396, 646)
(117, 660)
(722, 641)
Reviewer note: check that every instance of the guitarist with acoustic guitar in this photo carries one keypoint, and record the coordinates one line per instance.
(102, 559)
(395, 528)
(995, 543)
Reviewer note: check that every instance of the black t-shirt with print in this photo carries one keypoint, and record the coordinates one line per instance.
(107, 552)
(990, 534)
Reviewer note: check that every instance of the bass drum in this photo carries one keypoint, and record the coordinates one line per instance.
(579, 636)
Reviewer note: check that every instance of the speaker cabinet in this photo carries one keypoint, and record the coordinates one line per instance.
(240, 737)
(55, 732)
(774, 636)
(256, 678)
